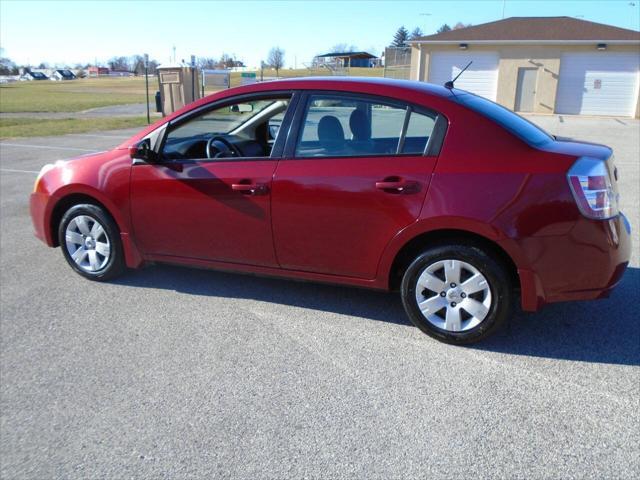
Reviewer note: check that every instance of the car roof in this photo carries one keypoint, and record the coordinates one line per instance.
(313, 83)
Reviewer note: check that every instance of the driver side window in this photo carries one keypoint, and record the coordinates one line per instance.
(238, 130)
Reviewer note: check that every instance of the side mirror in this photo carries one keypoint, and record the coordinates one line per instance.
(142, 151)
(242, 108)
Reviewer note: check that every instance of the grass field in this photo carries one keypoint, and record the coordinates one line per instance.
(85, 94)
(31, 127)
(72, 96)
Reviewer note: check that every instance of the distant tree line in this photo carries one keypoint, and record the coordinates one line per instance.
(225, 61)
(134, 63)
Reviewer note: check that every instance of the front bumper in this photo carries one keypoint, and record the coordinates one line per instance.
(38, 205)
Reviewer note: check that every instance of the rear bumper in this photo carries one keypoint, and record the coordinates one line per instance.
(585, 264)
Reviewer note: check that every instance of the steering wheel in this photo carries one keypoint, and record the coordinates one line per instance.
(219, 147)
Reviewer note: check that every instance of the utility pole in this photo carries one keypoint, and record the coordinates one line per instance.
(174, 54)
(146, 83)
(193, 78)
(504, 4)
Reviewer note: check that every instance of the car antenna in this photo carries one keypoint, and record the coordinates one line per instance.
(450, 83)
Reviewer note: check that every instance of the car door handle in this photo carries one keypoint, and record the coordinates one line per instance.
(398, 185)
(250, 188)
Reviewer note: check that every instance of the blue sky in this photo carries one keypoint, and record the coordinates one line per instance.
(81, 31)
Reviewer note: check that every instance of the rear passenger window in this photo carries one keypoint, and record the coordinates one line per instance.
(336, 126)
(419, 130)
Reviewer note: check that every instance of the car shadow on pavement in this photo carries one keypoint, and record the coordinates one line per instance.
(604, 331)
(601, 331)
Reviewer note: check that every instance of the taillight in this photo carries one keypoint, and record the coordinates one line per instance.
(594, 188)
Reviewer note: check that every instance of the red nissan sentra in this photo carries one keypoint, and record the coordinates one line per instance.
(463, 206)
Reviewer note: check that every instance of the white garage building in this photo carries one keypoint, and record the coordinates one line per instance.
(538, 64)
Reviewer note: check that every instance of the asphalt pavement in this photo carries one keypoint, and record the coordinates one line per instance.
(170, 372)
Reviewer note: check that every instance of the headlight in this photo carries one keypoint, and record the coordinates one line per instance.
(43, 170)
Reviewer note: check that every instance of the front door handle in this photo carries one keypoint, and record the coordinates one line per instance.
(250, 188)
(398, 185)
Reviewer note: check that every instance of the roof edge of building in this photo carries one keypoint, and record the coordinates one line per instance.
(524, 42)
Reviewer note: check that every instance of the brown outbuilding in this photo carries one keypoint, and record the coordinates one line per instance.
(558, 65)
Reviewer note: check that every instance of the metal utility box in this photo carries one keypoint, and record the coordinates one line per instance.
(179, 85)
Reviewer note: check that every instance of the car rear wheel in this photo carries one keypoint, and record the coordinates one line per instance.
(457, 294)
(90, 242)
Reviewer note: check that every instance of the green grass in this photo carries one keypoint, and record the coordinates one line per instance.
(29, 127)
(72, 96)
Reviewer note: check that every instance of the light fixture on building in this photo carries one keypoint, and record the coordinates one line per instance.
(463, 46)
(602, 46)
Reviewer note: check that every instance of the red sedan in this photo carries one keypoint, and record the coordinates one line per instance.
(463, 206)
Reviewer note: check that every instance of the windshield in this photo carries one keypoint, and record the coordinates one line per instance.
(527, 131)
(221, 120)
(226, 119)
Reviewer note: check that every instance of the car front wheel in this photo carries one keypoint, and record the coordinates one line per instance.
(90, 242)
(457, 294)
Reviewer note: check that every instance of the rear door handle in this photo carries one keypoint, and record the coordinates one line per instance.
(250, 188)
(398, 185)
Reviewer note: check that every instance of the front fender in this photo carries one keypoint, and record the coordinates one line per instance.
(75, 189)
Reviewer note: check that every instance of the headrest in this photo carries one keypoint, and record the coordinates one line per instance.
(330, 133)
(360, 125)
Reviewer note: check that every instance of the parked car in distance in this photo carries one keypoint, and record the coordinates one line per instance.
(463, 206)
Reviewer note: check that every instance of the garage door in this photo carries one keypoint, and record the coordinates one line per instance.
(480, 78)
(598, 83)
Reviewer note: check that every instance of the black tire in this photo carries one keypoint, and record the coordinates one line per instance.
(115, 264)
(502, 294)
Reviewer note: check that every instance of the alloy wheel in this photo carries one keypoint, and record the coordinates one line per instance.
(453, 295)
(87, 243)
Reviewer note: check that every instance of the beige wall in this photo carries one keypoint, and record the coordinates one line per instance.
(419, 64)
(512, 57)
(546, 60)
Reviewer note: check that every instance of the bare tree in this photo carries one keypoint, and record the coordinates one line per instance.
(207, 63)
(119, 63)
(276, 59)
(226, 61)
(417, 33)
(153, 65)
(137, 64)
